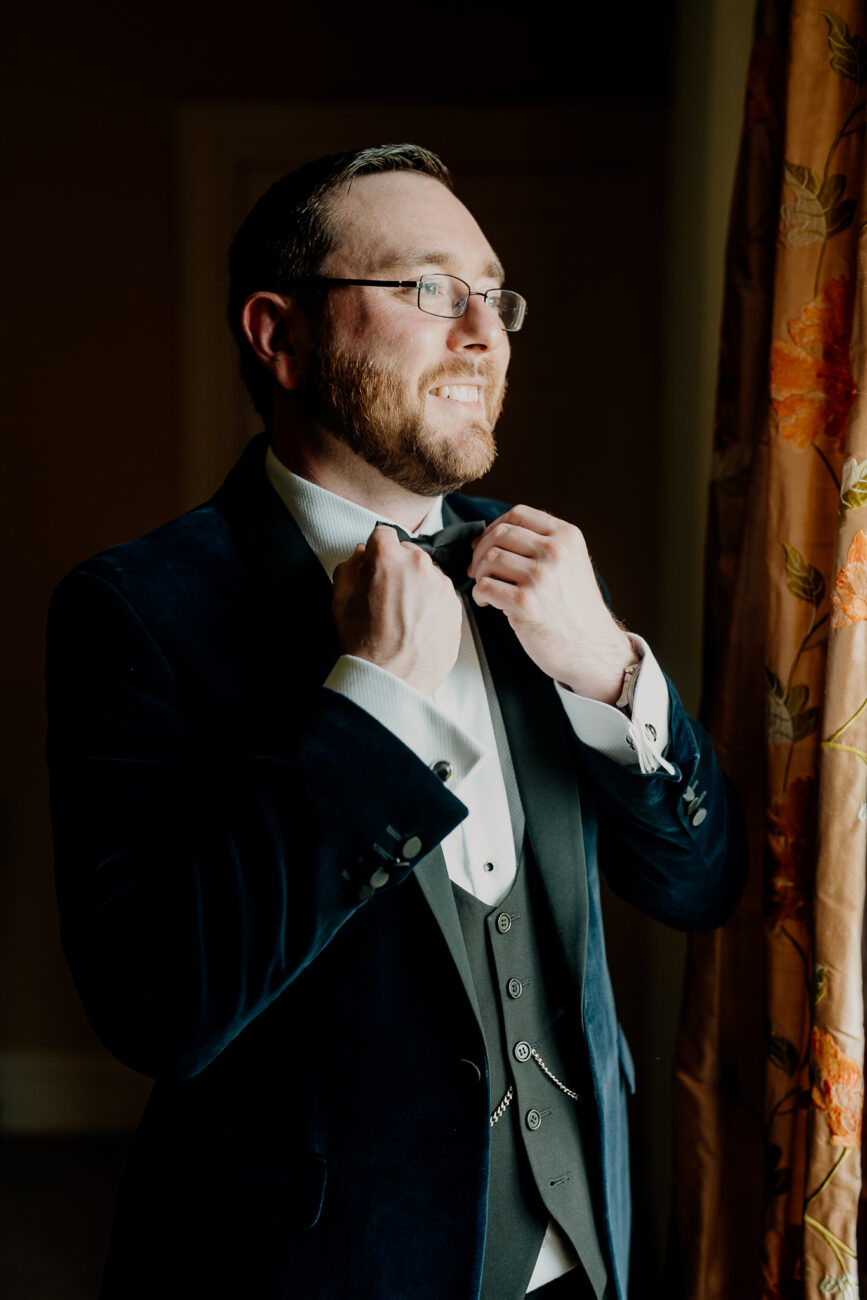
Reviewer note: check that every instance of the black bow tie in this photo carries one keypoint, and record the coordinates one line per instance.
(450, 548)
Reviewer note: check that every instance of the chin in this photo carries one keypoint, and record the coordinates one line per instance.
(436, 465)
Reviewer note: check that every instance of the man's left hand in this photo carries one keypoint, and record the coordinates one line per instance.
(536, 569)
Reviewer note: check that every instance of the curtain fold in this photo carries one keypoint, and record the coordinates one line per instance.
(768, 1083)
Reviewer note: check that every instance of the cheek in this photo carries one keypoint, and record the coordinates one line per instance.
(393, 333)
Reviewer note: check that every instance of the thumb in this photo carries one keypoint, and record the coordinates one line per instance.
(346, 573)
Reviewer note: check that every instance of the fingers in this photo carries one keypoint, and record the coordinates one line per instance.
(505, 596)
(529, 518)
(384, 546)
(346, 573)
(383, 538)
(523, 531)
(508, 566)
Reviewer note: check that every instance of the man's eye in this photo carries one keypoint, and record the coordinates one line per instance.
(431, 289)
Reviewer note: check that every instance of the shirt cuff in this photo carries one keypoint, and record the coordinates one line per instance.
(414, 718)
(641, 739)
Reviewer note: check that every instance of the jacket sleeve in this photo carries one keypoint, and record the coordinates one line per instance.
(195, 883)
(672, 843)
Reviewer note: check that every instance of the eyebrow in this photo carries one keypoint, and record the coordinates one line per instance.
(492, 270)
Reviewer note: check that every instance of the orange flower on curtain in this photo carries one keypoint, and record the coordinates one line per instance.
(812, 389)
(850, 587)
(838, 1089)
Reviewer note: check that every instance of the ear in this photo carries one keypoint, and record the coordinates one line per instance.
(279, 333)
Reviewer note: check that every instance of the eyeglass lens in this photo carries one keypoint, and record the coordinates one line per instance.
(446, 295)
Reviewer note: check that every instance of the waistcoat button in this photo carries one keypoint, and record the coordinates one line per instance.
(504, 922)
(443, 769)
(515, 988)
(522, 1051)
(533, 1120)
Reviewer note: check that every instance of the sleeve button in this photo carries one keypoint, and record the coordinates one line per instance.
(443, 769)
(411, 848)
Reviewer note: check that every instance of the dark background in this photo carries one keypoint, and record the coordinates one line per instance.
(96, 364)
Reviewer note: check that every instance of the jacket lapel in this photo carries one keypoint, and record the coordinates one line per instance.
(294, 588)
(433, 880)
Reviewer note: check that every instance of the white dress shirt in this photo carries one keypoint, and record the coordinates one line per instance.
(455, 725)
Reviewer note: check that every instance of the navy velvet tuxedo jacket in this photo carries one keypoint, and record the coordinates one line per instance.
(319, 1125)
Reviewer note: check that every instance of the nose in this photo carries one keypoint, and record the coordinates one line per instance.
(479, 329)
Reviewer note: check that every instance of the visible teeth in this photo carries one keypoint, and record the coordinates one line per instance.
(459, 392)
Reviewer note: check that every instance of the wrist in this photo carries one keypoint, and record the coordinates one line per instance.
(609, 675)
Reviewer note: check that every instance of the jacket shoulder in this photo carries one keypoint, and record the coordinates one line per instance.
(183, 551)
(170, 577)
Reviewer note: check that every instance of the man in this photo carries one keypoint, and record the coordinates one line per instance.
(327, 855)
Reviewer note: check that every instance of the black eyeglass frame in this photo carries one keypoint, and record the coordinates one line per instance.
(419, 284)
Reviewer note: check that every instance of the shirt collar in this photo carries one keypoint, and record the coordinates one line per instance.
(332, 525)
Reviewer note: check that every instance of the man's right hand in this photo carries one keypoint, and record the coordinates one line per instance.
(394, 607)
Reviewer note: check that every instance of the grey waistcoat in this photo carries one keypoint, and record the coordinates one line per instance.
(538, 1166)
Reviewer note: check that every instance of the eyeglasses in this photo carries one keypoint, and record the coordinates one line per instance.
(446, 295)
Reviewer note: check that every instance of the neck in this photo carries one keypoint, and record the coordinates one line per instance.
(330, 464)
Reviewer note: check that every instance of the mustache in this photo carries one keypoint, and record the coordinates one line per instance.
(482, 371)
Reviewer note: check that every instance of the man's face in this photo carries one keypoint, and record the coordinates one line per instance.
(416, 396)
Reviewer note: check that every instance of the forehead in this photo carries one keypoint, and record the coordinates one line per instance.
(386, 220)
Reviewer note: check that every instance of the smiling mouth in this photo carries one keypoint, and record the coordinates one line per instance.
(458, 392)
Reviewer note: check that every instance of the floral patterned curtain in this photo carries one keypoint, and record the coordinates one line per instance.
(769, 1068)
